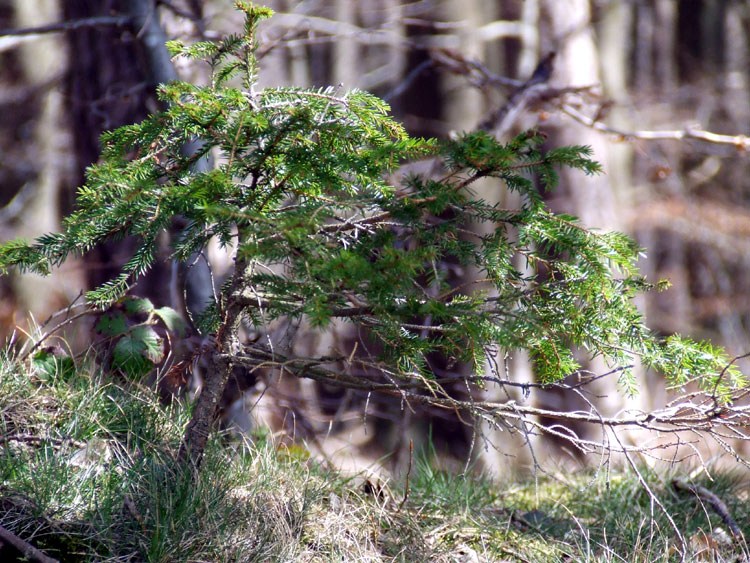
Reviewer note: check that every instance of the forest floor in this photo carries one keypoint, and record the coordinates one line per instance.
(87, 474)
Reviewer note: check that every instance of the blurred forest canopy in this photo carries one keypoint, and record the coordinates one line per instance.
(646, 84)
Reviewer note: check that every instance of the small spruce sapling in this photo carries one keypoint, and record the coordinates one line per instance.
(300, 196)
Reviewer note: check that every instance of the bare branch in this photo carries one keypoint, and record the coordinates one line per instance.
(193, 16)
(500, 121)
(535, 90)
(96, 21)
(740, 142)
(691, 414)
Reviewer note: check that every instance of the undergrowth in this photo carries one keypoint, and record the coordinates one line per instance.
(87, 474)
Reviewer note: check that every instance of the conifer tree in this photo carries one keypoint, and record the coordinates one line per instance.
(300, 195)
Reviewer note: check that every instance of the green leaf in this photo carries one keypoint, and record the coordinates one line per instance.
(112, 323)
(138, 352)
(173, 320)
(135, 305)
(52, 362)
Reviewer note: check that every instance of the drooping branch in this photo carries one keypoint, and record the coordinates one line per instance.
(683, 418)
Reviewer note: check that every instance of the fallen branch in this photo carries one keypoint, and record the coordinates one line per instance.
(38, 440)
(715, 502)
(27, 551)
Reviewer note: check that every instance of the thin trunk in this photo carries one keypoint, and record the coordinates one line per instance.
(227, 345)
(530, 48)
(644, 56)
(665, 45)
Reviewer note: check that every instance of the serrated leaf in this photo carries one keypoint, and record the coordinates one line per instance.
(137, 352)
(113, 323)
(134, 305)
(172, 319)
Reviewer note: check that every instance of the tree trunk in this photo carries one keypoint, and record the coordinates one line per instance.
(227, 345)
(42, 59)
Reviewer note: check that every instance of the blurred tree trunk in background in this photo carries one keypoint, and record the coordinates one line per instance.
(109, 85)
(594, 199)
(43, 139)
(106, 86)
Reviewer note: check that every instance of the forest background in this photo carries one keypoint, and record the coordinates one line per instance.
(658, 88)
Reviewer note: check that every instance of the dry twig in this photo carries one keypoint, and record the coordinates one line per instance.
(715, 502)
(690, 132)
(677, 425)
